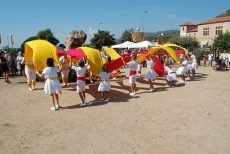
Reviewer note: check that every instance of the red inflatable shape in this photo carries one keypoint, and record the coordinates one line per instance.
(158, 67)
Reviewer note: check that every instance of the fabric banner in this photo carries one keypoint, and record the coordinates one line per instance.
(112, 53)
(140, 35)
(158, 67)
(115, 64)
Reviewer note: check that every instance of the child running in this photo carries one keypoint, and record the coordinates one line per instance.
(104, 86)
(80, 73)
(170, 77)
(150, 74)
(132, 74)
(183, 69)
(52, 84)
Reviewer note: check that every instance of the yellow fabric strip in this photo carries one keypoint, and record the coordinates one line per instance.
(149, 68)
(112, 53)
(30, 66)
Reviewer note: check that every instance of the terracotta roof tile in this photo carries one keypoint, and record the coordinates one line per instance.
(215, 20)
(194, 30)
(188, 24)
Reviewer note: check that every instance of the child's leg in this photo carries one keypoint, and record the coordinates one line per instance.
(82, 97)
(52, 99)
(168, 82)
(107, 92)
(134, 87)
(151, 84)
(131, 86)
(173, 83)
(57, 99)
(183, 77)
(83, 93)
(193, 72)
(102, 94)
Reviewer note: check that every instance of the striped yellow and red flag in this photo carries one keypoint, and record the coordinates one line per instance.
(141, 36)
(12, 40)
(134, 36)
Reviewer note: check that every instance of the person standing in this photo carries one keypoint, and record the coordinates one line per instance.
(183, 69)
(52, 85)
(80, 73)
(132, 74)
(194, 64)
(150, 74)
(30, 72)
(210, 57)
(104, 86)
(21, 66)
(12, 63)
(64, 62)
(224, 56)
(104, 56)
(4, 67)
(205, 56)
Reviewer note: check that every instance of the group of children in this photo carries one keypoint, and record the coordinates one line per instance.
(52, 85)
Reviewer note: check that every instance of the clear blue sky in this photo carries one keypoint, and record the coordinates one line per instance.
(24, 18)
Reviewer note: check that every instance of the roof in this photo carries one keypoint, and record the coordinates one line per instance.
(194, 30)
(215, 20)
(188, 24)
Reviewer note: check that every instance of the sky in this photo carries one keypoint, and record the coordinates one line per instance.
(24, 18)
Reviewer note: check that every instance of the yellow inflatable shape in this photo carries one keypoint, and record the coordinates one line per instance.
(172, 53)
(112, 53)
(142, 57)
(174, 45)
(94, 59)
(38, 51)
(154, 50)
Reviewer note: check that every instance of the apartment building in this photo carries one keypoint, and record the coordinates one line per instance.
(206, 31)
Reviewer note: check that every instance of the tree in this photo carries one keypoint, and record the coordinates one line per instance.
(27, 40)
(222, 41)
(187, 42)
(126, 36)
(48, 35)
(102, 38)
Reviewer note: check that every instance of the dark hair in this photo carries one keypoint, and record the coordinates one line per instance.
(2, 51)
(50, 62)
(151, 56)
(134, 57)
(105, 69)
(81, 63)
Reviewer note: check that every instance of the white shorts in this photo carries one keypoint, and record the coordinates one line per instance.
(132, 79)
(80, 86)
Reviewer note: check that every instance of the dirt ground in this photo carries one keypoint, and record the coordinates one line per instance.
(193, 117)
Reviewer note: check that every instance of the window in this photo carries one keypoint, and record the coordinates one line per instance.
(219, 29)
(205, 31)
(183, 28)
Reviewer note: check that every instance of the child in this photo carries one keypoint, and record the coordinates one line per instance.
(132, 74)
(52, 84)
(170, 77)
(194, 64)
(104, 86)
(80, 72)
(64, 65)
(90, 74)
(150, 74)
(183, 69)
(189, 68)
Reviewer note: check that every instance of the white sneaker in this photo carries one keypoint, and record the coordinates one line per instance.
(64, 84)
(182, 81)
(102, 99)
(139, 74)
(91, 81)
(30, 89)
(108, 99)
(57, 106)
(152, 89)
(53, 108)
(33, 88)
(131, 94)
(167, 85)
(67, 84)
(82, 104)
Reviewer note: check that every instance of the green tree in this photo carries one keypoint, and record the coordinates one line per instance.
(102, 38)
(222, 41)
(27, 40)
(126, 36)
(47, 35)
(187, 42)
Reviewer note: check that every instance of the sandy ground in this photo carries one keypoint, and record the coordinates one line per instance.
(190, 118)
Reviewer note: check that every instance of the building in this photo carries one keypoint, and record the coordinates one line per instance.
(206, 31)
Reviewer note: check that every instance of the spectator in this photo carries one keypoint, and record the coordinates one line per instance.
(4, 67)
(12, 63)
(210, 56)
(205, 56)
(19, 59)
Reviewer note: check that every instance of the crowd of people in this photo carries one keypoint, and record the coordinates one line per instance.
(52, 86)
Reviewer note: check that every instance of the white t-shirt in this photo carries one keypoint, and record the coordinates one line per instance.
(167, 69)
(210, 56)
(19, 59)
(104, 75)
(150, 64)
(50, 72)
(80, 71)
(104, 57)
(133, 65)
(61, 61)
(193, 57)
(185, 62)
(228, 57)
